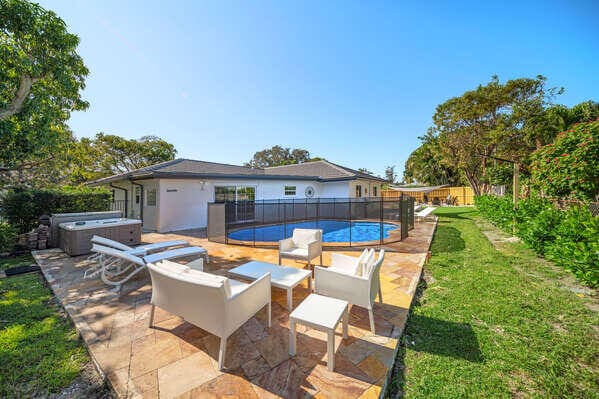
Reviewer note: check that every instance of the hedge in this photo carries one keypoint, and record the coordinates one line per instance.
(8, 237)
(22, 207)
(569, 238)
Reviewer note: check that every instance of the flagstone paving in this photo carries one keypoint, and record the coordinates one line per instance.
(176, 359)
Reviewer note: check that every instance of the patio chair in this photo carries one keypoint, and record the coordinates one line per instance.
(116, 267)
(304, 244)
(355, 280)
(140, 249)
(423, 214)
(214, 303)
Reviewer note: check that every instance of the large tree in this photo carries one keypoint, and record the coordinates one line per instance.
(494, 120)
(277, 156)
(107, 154)
(41, 78)
(425, 166)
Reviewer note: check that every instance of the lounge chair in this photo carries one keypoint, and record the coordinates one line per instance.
(214, 303)
(423, 214)
(116, 267)
(355, 280)
(304, 244)
(140, 249)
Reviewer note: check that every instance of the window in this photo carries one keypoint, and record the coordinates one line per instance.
(137, 194)
(290, 190)
(234, 193)
(151, 197)
(358, 191)
(374, 191)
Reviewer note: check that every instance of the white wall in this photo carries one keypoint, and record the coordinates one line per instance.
(335, 189)
(367, 188)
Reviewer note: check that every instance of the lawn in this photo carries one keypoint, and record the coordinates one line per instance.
(40, 351)
(496, 322)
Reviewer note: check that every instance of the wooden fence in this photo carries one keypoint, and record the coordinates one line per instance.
(459, 195)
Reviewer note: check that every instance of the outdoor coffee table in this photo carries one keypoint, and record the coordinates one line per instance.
(286, 278)
(321, 313)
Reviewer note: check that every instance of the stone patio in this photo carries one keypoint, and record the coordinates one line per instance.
(177, 359)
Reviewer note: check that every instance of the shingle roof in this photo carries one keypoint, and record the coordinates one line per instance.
(189, 168)
(325, 170)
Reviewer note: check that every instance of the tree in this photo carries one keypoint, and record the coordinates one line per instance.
(277, 156)
(390, 174)
(41, 77)
(425, 166)
(107, 154)
(364, 170)
(494, 120)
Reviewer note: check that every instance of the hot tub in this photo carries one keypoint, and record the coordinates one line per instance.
(75, 237)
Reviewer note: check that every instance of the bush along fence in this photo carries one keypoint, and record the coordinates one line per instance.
(568, 237)
(20, 209)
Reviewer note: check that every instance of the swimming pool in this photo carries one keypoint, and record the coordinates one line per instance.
(333, 231)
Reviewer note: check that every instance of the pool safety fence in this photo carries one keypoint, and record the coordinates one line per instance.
(346, 222)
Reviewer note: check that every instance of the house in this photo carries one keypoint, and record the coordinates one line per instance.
(174, 195)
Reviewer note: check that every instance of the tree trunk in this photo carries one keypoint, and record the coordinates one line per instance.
(17, 102)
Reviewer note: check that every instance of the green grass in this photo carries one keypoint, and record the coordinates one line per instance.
(14, 261)
(495, 323)
(40, 351)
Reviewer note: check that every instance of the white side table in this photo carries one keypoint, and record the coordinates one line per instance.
(321, 313)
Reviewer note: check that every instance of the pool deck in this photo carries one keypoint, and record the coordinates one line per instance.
(178, 359)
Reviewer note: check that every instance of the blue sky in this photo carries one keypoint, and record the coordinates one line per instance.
(354, 82)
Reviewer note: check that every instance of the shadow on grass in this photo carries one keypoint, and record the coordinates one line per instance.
(443, 338)
(454, 213)
(448, 239)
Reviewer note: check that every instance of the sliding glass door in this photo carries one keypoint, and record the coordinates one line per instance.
(239, 200)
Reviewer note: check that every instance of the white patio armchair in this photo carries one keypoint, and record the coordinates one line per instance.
(304, 244)
(214, 303)
(356, 280)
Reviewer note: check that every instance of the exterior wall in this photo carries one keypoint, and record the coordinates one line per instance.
(183, 203)
(367, 188)
(336, 189)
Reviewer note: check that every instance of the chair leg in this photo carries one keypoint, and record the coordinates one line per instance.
(380, 295)
(269, 313)
(371, 317)
(320, 259)
(222, 352)
(151, 316)
(279, 259)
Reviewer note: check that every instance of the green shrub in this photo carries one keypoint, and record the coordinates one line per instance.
(8, 237)
(569, 167)
(569, 238)
(23, 207)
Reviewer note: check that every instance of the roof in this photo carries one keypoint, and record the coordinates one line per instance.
(325, 170)
(189, 168)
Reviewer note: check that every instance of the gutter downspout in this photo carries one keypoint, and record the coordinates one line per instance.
(126, 198)
(141, 200)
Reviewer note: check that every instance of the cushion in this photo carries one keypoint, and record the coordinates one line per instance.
(368, 263)
(302, 237)
(296, 253)
(233, 287)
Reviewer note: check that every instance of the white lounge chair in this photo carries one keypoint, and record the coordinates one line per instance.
(140, 249)
(423, 214)
(116, 267)
(214, 303)
(304, 244)
(355, 280)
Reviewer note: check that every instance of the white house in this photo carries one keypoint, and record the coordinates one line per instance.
(174, 195)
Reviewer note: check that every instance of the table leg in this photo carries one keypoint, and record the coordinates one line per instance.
(310, 283)
(292, 337)
(331, 350)
(345, 322)
(290, 299)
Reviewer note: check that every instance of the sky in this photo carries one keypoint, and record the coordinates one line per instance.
(353, 82)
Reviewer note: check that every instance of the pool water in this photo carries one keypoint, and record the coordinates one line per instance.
(333, 231)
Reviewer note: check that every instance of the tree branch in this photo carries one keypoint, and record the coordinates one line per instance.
(17, 102)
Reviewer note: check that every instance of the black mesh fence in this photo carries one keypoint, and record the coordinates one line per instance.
(344, 221)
